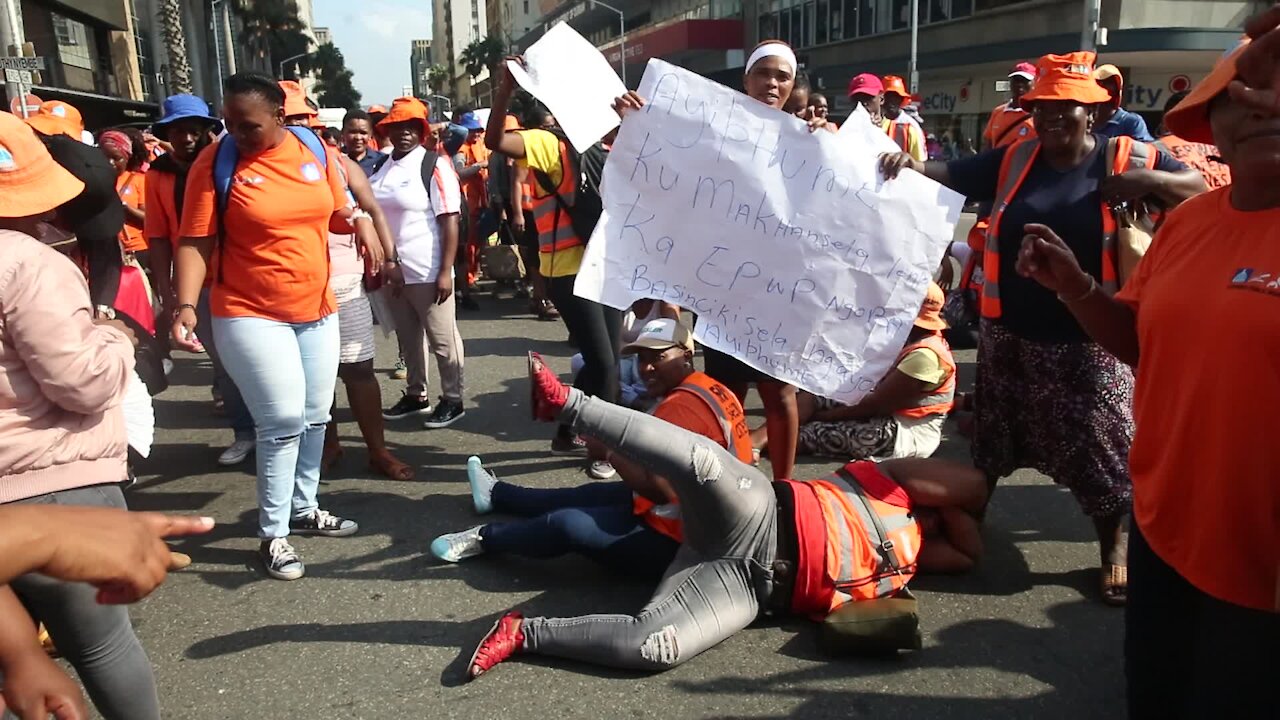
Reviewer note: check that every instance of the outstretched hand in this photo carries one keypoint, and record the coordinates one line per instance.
(628, 103)
(892, 164)
(1045, 258)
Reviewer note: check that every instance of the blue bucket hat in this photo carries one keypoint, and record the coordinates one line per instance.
(453, 138)
(470, 121)
(183, 107)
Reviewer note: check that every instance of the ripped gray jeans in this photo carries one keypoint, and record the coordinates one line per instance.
(722, 574)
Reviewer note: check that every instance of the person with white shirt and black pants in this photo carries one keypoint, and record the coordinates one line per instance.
(422, 203)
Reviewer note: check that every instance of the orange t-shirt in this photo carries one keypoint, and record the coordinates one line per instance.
(274, 252)
(131, 187)
(1204, 459)
(162, 212)
(1002, 126)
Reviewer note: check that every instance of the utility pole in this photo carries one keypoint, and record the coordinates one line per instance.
(1092, 23)
(913, 71)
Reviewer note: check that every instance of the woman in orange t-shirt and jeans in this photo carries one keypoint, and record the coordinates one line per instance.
(274, 315)
(1200, 320)
(128, 154)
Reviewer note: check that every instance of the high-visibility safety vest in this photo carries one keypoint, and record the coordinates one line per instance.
(735, 437)
(940, 401)
(857, 539)
(555, 226)
(901, 134)
(1197, 155)
(1123, 154)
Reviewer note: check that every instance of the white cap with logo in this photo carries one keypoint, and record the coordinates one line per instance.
(661, 334)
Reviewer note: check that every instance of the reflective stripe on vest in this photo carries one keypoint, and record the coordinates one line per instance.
(901, 134)
(735, 437)
(1122, 154)
(555, 226)
(941, 400)
(854, 522)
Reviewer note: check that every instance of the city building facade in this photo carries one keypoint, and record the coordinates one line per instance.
(420, 68)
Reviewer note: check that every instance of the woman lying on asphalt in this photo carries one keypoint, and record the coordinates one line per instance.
(750, 546)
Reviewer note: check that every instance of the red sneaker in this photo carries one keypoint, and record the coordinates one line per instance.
(504, 640)
(547, 395)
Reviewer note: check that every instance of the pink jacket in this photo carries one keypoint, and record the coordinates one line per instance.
(62, 378)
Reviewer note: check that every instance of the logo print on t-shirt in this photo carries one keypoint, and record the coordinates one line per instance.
(1248, 279)
(1242, 275)
(310, 172)
(6, 160)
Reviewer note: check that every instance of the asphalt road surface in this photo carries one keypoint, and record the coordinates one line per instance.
(379, 629)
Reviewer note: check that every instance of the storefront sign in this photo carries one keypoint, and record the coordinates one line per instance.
(1148, 92)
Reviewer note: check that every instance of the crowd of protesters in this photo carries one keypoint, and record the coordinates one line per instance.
(1131, 371)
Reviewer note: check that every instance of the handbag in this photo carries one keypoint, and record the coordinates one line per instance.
(1133, 239)
(503, 262)
(872, 627)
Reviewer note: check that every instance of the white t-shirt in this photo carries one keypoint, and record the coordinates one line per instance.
(411, 211)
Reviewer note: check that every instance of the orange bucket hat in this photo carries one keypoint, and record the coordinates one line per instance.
(1189, 119)
(930, 317)
(295, 100)
(31, 182)
(1067, 77)
(57, 118)
(404, 109)
(894, 84)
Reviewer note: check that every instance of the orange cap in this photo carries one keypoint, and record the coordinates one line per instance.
(31, 182)
(1109, 72)
(57, 118)
(295, 100)
(377, 109)
(1189, 119)
(1067, 77)
(930, 317)
(894, 84)
(407, 108)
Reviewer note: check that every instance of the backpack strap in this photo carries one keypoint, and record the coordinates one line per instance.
(224, 169)
(312, 143)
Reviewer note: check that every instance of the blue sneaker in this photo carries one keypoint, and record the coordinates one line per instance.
(456, 547)
(482, 482)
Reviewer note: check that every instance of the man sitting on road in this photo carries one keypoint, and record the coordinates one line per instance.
(633, 525)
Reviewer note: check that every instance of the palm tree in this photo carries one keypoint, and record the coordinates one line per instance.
(273, 31)
(437, 77)
(175, 47)
(334, 87)
(482, 54)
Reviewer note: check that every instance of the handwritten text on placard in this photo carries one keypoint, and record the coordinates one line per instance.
(796, 257)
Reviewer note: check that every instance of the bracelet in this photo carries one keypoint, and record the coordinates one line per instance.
(1093, 285)
(357, 214)
(179, 308)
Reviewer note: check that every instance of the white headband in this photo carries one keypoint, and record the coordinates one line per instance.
(774, 49)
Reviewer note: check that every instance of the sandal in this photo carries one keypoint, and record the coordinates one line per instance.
(330, 459)
(389, 467)
(546, 311)
(1115, 584)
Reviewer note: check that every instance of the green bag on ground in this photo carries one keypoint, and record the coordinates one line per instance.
(872, 626)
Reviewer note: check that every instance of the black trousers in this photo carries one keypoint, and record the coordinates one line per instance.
(1189, 655)
(597, 329)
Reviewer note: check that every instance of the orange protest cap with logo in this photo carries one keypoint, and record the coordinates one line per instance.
(894, 84)
(377, 109)
(405, 109)
(930, 317)
(57, 118)
(1189, 119)
(31, 182)
(1067, 77)
(295, 100)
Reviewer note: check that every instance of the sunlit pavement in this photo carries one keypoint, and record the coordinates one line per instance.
(379, 629)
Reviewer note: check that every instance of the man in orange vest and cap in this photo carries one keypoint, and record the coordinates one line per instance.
(1009, 122)
(898, 125)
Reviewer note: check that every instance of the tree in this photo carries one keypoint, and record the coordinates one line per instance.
(273, 31)
(438, 77)
(175, 47)
(334, 87)
(482, 54)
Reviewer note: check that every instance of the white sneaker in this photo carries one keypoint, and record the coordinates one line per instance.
(236, 454)
(601, 470)
(482, 482)
(455, 547)
(280, 560)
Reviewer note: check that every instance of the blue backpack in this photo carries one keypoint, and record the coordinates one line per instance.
(224, 163)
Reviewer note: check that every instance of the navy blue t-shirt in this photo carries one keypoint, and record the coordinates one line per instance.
(1067, 201)
(370, 161)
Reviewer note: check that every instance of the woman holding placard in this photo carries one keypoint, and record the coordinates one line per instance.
(1047, 397)
(770, 78)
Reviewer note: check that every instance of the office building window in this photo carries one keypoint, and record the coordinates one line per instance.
(74, 48)
(821, 24)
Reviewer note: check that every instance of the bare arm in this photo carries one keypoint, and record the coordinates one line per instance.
(495, 136)
(896, 391)
(191, 264)
(135, 217)
(955, 546)
(891, 164)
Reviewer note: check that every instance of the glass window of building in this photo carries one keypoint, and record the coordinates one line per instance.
(73, 42)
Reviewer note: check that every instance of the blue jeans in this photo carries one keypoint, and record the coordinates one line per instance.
(286, 373)
(595, 520)
(237, 412)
